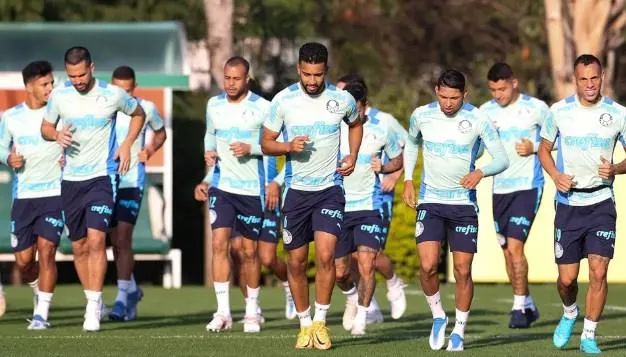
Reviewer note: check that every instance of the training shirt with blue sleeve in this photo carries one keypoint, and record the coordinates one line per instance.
(228, 123)
(93, 117)
(20, 128)
(451, 145)
(519, 120)
(135, 176)
(582, 135)
(296, 113)
(362, 187)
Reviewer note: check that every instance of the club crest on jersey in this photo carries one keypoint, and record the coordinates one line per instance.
(465, 126)
(606, 119)
(333, 106)
(248, 114)
(287, 237)
(101, 100)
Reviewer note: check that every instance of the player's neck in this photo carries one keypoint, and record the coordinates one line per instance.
(237, 99)
(587, 103)
(33, 104)
(515, 97)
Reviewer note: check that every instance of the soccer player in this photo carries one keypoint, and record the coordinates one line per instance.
(451, 132)
(309, 114)
(87, 108)
(395, 285)
(363, 226)
(586, 126)
(36, 217)
(236, 198)
(516, 191)
(130, 194)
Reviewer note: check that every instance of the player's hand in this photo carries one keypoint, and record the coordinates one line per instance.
(64, 136)
(606, 169)
(240, 149)
(210, 158)
(62, 161)
(471, 180)
(298, 143)
(15, 160)
(123, 154)
(272, 195)
(564, 182)
(377, 165)
(389, 183)
(408, 196)
(201, 192)
(145, 154)
(346, 165)
(525, 147)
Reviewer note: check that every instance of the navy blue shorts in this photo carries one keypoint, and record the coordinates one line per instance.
(35, 217)
(89, 204)
(457, 223)
(583, 230)
(305, 212)
(360, 228)
(242, 213)
(128, 205)
(386, 213)
(270, 228)
(514, 213)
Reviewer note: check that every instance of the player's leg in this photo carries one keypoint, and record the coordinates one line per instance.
(236, 253)
(344, 277)
(3, 302)
(121, 238)
(384, 265)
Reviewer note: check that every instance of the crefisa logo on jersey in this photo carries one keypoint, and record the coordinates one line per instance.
(605, 119)
(465, 126)
(333, 106)
(101, 100)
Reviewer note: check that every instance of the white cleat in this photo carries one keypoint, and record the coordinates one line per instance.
(3, 305)
(397, 300)
(219, 323)
(38, 323)
(455, 343)
(374, 317)
(358, 330)
(252, 324)
(438, 333)
(92, 323)
(290, 307)
(349, 314)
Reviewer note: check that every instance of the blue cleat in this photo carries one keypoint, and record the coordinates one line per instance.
(132, 302)
(532, 313)
(438, 333)
(118, 312)
(38, 323)
(519, 319)
(455, 343)
(589, 345)
(563, 332)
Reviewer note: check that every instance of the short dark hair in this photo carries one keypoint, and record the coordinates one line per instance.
(76, 55)
(313, 52)
(452, 78)
(587, 59)
(357, 90)
(36, 69)
(238, 61)
(353, 78)
(500, 71)
(124, 73)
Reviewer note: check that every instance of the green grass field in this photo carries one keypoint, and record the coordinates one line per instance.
(171, 323)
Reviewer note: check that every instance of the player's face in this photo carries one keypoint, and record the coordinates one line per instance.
(128, 85)
(235, 81)
(41, 87)
(312, 76)
(503, 91)
(80, 74)
(588, 82)
(450, 99)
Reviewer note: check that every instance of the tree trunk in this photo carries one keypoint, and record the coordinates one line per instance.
(219, 19)
(557, 43)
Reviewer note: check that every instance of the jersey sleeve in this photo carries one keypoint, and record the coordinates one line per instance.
(411, 147)
(392, 146)
(209, 136)
(274, 119)
(5, 140)
(493, 144)
(351, 113)
(400, 130)
(544, 116)
(51, 114)
(549, 129)
(153, 118)
(126, 103)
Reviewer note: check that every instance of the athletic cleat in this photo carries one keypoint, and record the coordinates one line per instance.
(3, 305)
(252, 324)
(118, 312)
(532, 313)
(563, 332)
(131, 304)
(358, 330)
(219, 323)
(374, 317)
(518, 319)
(290, 307)
(589, 345)
(305, 338)
(259, 312)
(104, 312)
(321, 336)
(455, 343)
(397, 300)
(438, 333)
(92, 322)
(37, 323)
(349, 314)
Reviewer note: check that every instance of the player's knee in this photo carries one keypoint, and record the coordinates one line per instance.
(221, 248)
(366, 266)
(567, 281)
(46, 251)
(267, 258)
(249, 253)
(80, 248)
(462, 271)
(597, 275)
(428, 269)
(25, 265)
(342, 272)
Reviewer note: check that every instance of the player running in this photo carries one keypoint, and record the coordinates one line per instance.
(36, 217)
(130, 195)
(87, 108)
(451, 132)
(586, 126)
(516, 191)
(309, 114)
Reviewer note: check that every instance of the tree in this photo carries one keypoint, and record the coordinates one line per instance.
(583, 26)
(219, 22)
